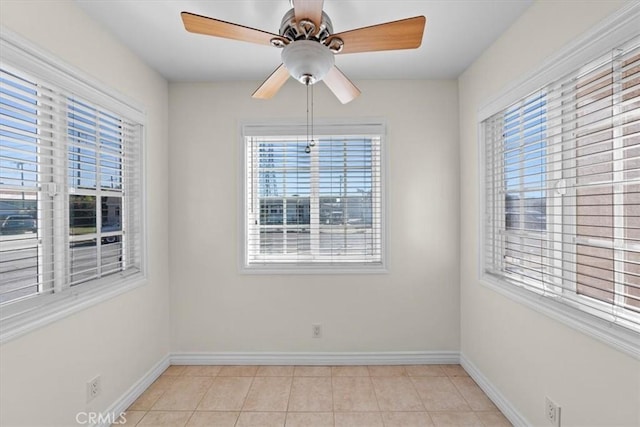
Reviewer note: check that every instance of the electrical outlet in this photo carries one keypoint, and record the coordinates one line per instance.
(552, 412)
(93, 388)
(316, 331)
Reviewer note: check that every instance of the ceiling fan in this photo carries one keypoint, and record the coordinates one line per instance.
(308, 45)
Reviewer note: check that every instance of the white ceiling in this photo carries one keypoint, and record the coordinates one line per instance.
(457, 32)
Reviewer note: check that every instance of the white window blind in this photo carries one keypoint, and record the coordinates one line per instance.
(322, 208)
(70, 192)
(562, 189)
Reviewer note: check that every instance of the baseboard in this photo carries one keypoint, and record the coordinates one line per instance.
(494, 394)
(308, 358)
(135, 391)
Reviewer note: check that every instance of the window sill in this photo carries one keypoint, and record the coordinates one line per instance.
(282, 268)
(616, 336)
(52, 308)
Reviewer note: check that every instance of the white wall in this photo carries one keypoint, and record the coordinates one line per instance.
(415, 307)
(43, 374)
(526, 355)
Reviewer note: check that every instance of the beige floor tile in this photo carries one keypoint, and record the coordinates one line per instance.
(439, 394)
(387, 371)
(475, 397)
(493, 419)
(406, 419)
(174, 370)
(238, 371)
(163, 382)
(311, 394)
(350, 371)
(396, 394)
(312, 371)
(309, 419)
(151, 395)
(213, 419)
(184, 394)
(353, 394)
(201, 371)
(425, 371)
(129, 418)
(226, 394)
(455, 419)
(368, 396)
(165, 418)
(358, 419)
(268, 394)
(261, 419)
(454, 371)
(275, 371)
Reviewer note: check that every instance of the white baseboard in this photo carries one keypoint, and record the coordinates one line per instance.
(304, 358)
(136, 390)
(494, 394)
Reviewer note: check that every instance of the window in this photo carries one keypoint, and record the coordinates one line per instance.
(317, 209)
(562, 190)
(70, 190)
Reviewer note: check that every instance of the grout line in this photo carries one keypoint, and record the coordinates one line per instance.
(417, 393)
(374, 393)
(289, 399)
(461, 394)
(190, 416)
(244, 401)
(203, 394)
(140, 420)
(238, 417)
(161, 394)
(428, 415)
(333, 407)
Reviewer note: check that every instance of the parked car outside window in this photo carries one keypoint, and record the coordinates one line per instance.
(14, 224)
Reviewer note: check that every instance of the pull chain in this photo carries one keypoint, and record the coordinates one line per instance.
(308, 147)
(312, 142)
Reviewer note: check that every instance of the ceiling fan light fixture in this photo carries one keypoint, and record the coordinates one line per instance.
(307, 61)
(308, 45)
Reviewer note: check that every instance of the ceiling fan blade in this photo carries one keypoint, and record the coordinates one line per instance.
(340, 85)
(214, 27)
(308, 9)
(273, 83)
(402, 34)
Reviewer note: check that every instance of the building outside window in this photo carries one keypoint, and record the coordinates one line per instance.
(316, 209)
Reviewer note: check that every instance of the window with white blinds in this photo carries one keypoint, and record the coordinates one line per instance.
(70, 193)
(321, 208)
(562, 189)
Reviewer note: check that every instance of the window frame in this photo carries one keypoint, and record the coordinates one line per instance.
(361, 127)
(23, 316)
(602, 38)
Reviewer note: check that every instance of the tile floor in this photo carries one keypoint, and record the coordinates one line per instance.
(308, 396)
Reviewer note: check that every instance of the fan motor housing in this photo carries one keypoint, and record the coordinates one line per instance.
(305, 30)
